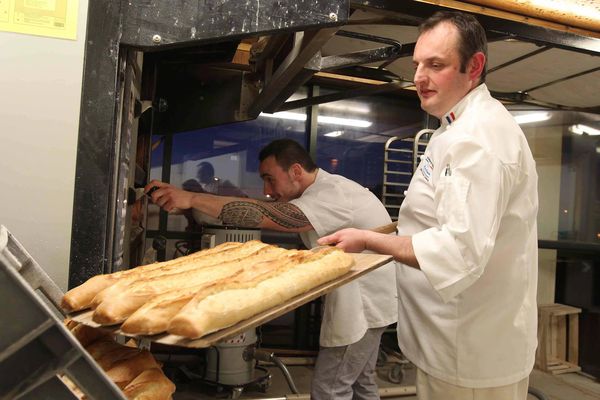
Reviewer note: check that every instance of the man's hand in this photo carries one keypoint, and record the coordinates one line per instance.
(350, 240)
(169, 197)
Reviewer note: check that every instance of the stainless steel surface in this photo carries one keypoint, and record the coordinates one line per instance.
(35, 346)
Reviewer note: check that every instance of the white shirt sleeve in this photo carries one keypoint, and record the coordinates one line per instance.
(471, 193)
(327, 207)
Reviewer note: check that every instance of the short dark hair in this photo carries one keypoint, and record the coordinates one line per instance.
(288, 152)
(472, 36)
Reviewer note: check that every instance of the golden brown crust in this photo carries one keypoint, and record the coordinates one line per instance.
(124, 371)
(151, 384)
(86, 335)
(154, 316)
(223, 309)
(110, 358)
(101, 347)
(120, 306)
(184, 264)
(81, 296)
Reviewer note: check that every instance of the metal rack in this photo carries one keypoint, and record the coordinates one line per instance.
(401, 157)
(35, 346)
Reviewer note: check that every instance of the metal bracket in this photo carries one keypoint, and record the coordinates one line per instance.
(305, 59)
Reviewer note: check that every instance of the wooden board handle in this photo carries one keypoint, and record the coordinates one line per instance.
(389, 228)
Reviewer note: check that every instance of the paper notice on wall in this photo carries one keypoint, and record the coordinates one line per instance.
(52, 18)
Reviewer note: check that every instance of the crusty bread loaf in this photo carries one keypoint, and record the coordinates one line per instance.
(150, 385)
(199, 295)
(110, 358)
(118, 307)
(124, 371)
(154, 316)
(220, 310)
(87, 335)
(101, 347)
(184, 265)
(81, 296)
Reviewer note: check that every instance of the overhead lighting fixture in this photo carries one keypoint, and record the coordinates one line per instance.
(334, 134)
(580, 129)
(532, 117)
(347, 107)
(360, 123)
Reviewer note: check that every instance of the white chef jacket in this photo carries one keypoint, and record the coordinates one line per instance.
(332, 203)
(469, 315)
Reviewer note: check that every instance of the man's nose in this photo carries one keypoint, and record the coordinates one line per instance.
(267, 191)
(420, 76)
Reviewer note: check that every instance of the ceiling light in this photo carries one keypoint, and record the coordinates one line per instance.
(361, 123)
(334, 134)
(321, 119)
(286, 115)
(580, 129)
(347, 107)
(532, 117)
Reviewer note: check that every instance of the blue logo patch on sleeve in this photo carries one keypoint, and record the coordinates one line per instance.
(427, 168)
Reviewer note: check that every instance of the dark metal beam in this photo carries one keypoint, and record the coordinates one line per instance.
(292, 72)
(566, 78)
(359, 58)
(156, 24)
(347, 94)
(312, 123)
(263, 60)
(94, 196)
(521, 58)
(300, 65)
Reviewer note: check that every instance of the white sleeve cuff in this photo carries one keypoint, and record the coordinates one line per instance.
(441, 262)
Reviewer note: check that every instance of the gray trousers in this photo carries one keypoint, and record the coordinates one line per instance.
(348, 372)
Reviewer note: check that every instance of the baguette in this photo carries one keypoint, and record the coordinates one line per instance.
(154, 316)
(185, 264)
(81, 296)
(101, 347)
(120, 306)
(223, 309)
(151, 384)
(86, 335)
(110, 358)
(124, 371)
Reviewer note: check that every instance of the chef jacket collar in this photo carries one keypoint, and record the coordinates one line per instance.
(458, 109)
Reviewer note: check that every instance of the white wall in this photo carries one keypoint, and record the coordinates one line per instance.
(546, 146)
(40, 93)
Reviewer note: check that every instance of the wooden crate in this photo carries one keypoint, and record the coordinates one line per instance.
(558, 339)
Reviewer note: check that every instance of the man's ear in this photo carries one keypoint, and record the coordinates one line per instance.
(296, 170)
(476, 66)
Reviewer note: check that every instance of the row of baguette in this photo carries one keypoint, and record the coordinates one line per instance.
(136, 372)
(206, 291)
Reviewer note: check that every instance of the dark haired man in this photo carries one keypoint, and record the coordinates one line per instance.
(467, 230)
(314, 203)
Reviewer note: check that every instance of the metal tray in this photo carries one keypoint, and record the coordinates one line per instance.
(35, 346)
(363, 263)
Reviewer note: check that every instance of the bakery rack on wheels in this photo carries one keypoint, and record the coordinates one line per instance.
(400, 160)
(36, 349)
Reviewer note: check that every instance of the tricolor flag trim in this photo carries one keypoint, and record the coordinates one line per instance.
(450, 117)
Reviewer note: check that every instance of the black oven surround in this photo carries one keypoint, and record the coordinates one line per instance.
(119, 31)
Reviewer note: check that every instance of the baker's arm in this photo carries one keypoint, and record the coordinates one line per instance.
(356, 240)
(237, 211)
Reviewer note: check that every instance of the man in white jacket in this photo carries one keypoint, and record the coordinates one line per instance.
(315, 203)
(467, 231)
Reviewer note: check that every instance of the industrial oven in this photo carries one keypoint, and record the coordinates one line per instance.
(153, 68)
